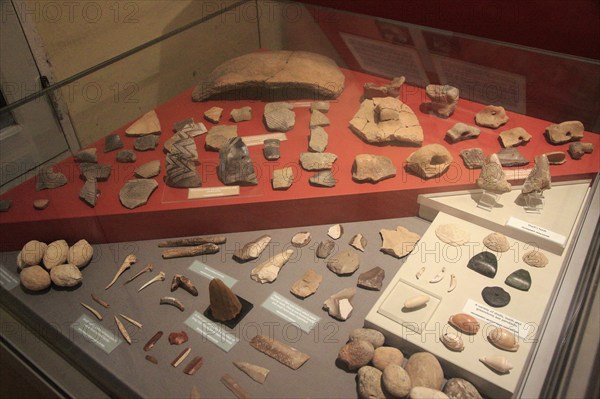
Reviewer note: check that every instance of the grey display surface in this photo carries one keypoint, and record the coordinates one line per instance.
(125, 372)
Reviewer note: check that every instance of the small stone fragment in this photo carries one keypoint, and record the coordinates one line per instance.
(181, 172)
(457, 388)
(178, 338)
(519, 279)
(301, 239)
(344, 263)
(514, 137)
(496, 242)
(323, 178)
(339, 305)
(317, 119)
(35, 278)
(80, 254)
(5, 205)
(535, 258)
(146, 143)
(279, 351)
(511, 157)
(148, 170)
(491, 116)
(452, 234)
(399, 242)
(32, 252)
(317, 161)
(213, 114)
(268, 271)
(391, 89)
(426, 393)
(136, 192)
(578, 149)
(177, 126)
(89, 192)
(425, 370)
(252, 249)
(87, 155)
(47, 178)
(492, 177)
(219, 136)
(66, 275)
(112, 142)
(556, 157)
(335, 231)
(372, 279)
(307, 285)
(322, 106)
(443, 99)
(564, 132)
(126, 156)
(372, 168)
(429, 161)
(472, 157)
(375, 337)
(484, 263)
(94, 171)
(56, 253)
(356, 354)
(283, 178)
(241, 114)
(387, 355)
(185, 145)
(193, 129)
(324, 249)
(318, 139)
(279, 117)
(539, 178)
(257, 373)
(271, 149)
(359, 242)
(224, 304)
(235, 164)
(369, 383)
(462, 131)
(41, 204)
(147, 124)
(396, 381)
(495, 296)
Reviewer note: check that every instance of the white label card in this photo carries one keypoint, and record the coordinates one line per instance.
(537, 231)
(488, 315)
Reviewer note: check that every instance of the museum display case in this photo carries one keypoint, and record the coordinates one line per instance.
(258, 198)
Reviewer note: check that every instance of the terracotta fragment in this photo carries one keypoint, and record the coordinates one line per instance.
(86, 155)
(372, 279)
(47, 178)
(178, 338)
(344, 263)
(147, 124)
(301, 239)
(41, 204)
(269, 74)
(213, 114)
(318, 119)
(279, 117)
(391, 89)
(126, 156)
(137, 192)
(491, 116)
(339, 305)
(35, 278)
(177, 126)
(181, 172)
(556, 157)
(399, 242)
(492, 177)
(323, 178)
(539, 178)
(318, 139)
(307, 285)
(224, 304)
(317, 161)
(89, 193)
(461, 131)
(322, 106)
(511, 157)
(282, 178)
(429, 161)
(112, 142)
(219, 136)
(146, 143)
(577, 150)
(241, 114)
(252, 249)
(148, 170)
(90, 171)
(443, 99)
(271, 149)
(564, 132)
(372, 168)
(514, 137)
(183, 146)
(472, 157)
(268, 271)
(235, 164)
(279, 351)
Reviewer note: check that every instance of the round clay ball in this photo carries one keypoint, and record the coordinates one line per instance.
(386, 355)
(80, 254)
(66, 275)
(35, 278)
(56, 254)
(33, 252)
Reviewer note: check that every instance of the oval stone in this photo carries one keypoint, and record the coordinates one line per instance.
(356, 354)
(386, 355)
(35, 278)
(426, 393)
(495, 296)
(457, 388)
(56, 253)
(369, 383)
(396, 381)
(375, 337)
(425, 370)
(80, 254)
(66, 275)
(33, 252)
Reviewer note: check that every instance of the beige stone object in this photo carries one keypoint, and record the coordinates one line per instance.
(279, 117)
(369, 383)
(288, 74)
(35, 278)
(147, 124)
(41, 204)
(252, 249)
(564, 132)
(535, 258)
(213, 114)
(241, 114)
(218, 136)
(317, 118)
(514, 137)
(457, 388)
(396, 381)
(301, 239)
(344, 263)
(425, 371)
(491, 116)
(492, 177)
(556, 157)
(257, 373)
(443, 99)
(497, 363)
(283, 178)
(32, 252)
(359, 242)
(539, 178)
(429, 161)
(335, 231)
(318, 139)
(418, 392)
(279, 351)
(376, 338)
(496, 242)
(461, 131)
(577, 149)
(372, 168)
(399, 242)
(404, 130)
(56, 254)
(268, 271)
(339, 305)
(66, 275)
(80, 253)
(307, 285)
(356, 354)
(317, 160)
(387, 355)
(391, 89)
(452, 234)
(224, 304)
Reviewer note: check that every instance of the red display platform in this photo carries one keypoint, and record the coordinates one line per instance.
(168, 212)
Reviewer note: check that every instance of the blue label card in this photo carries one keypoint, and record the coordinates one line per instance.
(288, 310)
(214, 332)
(8, 280)
(210, 273)
(95, 333)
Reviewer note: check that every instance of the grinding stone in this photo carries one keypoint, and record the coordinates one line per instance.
(484, 263)
(495, 296)
(519, 279)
